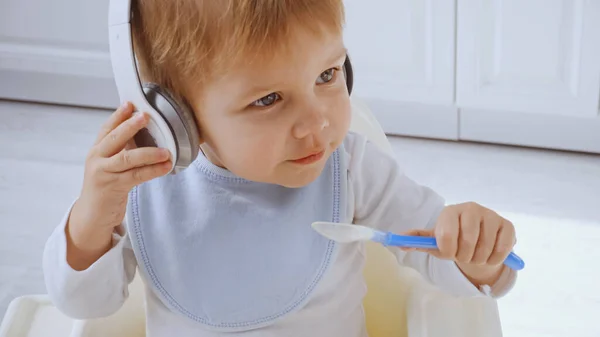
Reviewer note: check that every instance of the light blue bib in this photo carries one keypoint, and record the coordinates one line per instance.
(233, 254)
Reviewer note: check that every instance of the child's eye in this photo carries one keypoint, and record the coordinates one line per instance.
(327, 75)
(266, 100)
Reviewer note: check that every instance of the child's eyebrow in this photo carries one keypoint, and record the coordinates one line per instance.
(342, 53)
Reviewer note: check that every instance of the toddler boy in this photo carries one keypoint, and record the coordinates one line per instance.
(226, 245)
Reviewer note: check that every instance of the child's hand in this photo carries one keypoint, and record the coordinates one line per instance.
(476, 238)
(112, 168)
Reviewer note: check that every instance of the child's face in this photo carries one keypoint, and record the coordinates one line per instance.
(258, 120)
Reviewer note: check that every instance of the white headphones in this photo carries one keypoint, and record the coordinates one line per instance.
(172, 124)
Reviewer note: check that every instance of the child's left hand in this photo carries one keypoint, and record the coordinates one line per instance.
(476, 238)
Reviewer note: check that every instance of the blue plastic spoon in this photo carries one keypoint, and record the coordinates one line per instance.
(342, 232)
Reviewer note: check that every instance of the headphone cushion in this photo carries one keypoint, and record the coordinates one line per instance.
(179, 118)
(349, 74)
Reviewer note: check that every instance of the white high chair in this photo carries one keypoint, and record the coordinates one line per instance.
(399, 303)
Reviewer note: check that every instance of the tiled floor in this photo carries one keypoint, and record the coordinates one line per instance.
(552, 197)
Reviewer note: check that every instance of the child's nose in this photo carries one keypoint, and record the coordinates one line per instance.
(312, 122)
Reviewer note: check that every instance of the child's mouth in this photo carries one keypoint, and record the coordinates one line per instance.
(309, 159)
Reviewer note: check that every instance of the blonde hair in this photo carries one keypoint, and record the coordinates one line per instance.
(184, 43)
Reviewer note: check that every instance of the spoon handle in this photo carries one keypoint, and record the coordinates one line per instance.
(513, 261)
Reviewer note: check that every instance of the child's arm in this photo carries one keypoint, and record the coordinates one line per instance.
(87, 265)
(97, 289)
(388, 200)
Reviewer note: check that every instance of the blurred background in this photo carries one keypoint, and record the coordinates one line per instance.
(495, 101)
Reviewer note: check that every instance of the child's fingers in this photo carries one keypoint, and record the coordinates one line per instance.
(468, 236)
(129, 159)
(115, 119)
(446, 233)
(487, 239)
(118, 138)
(142, 174)
(504, 244)
(419, 232)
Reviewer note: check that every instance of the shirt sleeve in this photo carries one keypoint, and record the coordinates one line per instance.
(98, 291)
(387, 200)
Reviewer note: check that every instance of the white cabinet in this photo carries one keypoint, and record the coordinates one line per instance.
(524, 72)
(56, 51)
(538, 56)
(418, 39)
(403, 52)
(528, 72)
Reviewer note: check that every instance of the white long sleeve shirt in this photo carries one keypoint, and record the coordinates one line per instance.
(379, 195)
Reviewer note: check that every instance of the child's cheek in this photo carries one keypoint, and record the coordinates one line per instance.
(254, 158)
(342, 116)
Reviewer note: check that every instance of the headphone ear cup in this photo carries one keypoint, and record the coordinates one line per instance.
(181, 122)
(348, 73)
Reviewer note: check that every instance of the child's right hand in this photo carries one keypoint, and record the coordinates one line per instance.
(112, 168)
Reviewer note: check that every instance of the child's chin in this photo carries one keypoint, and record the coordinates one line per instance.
(301, 179)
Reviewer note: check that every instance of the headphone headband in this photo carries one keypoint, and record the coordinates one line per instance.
(122, 53)
(119, 12)
(125, 72)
